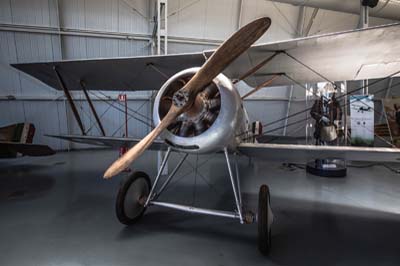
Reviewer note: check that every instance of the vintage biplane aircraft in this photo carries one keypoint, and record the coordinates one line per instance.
(17, 139)
(199, 110)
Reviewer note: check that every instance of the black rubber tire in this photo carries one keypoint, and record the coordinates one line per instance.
(126, 183)
(264, 231)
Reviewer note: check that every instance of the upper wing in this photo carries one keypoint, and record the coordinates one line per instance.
(26, 148)
(304, 153)
(352, 55)
(114, 142)
(132, 74)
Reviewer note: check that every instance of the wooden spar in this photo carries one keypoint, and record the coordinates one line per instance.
(70, 100)
(262, 85)
(92, 108)
(256, 68)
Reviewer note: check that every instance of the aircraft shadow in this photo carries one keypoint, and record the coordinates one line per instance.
(304, 233)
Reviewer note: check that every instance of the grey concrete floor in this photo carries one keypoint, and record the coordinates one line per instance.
(59, 211)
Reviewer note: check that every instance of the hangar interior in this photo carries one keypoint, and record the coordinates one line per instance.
(58, 211)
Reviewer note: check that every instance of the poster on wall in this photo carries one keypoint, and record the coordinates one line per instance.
(362, 120)
(392, 111)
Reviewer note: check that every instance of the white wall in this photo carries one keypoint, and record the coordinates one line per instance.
(203, 21)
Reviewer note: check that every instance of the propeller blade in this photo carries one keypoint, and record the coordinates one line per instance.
(231, 49)
(134, 152)
(183, 99)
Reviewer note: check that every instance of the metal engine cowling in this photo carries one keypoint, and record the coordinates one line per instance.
(212, 122)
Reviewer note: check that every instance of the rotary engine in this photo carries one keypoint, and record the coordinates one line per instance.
(212, 122)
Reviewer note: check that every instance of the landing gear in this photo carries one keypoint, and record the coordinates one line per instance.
(265, 219)
(131, 197)
(136, 194)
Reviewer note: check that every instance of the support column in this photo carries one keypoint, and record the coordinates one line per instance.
(239, 16)
(307, 122)
(346, 128)
(300, 23)
(364, 23)
(162, 25)
(288, 110)
(162, 31)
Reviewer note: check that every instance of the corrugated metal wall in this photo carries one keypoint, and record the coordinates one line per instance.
(107, 21)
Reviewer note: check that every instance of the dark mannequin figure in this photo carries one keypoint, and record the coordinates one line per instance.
(397, 114)
(325, 112)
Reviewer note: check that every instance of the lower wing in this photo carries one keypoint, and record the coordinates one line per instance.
(281, 152)
(114, 142)
(8, 148)
(303, 153)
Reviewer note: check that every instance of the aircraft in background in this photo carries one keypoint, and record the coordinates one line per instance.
(198, 110)
(17, 139)
(363, 109)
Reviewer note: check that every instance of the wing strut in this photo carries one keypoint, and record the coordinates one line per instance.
(262, 85)
(253, 70)
(93, 109)
(70, 100)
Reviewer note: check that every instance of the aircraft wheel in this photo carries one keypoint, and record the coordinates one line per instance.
(132, 195)
(264, 218)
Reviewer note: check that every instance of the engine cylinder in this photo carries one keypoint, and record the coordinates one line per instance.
(213, 121)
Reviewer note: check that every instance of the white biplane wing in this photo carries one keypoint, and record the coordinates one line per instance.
(303, 153)
(352, 55)
(113, 142)
(270, 152)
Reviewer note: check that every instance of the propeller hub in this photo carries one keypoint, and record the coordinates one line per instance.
(196, 110)
(180, 98)
(198, 113)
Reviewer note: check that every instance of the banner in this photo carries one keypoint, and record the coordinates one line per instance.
(392, 110)
(362, 120)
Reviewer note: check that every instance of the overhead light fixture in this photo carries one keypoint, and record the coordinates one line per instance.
(370, 3)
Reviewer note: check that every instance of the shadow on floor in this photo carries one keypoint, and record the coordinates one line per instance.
(24, 186)
(304, 233)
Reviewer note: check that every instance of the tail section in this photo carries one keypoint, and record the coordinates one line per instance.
(18, 138)
(21, 132)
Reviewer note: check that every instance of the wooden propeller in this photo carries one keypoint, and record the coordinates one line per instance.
(220, 59)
